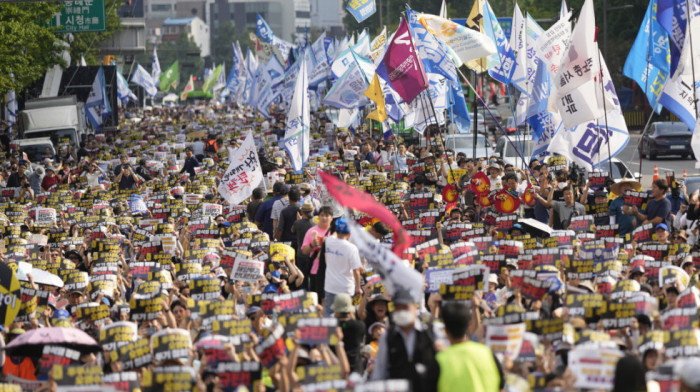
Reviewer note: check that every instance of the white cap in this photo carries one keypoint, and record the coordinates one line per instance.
(493, 278)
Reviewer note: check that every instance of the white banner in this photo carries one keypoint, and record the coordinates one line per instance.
(594, 368)
(45, 217)
(243, 174)
(247, 270)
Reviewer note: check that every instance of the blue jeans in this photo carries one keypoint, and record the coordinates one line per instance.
(328, 300)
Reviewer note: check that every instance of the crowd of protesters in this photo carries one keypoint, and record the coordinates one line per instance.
(535, 277)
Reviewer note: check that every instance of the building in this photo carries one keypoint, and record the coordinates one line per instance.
(157, 11)
(195, 28)
(328, 15)
(277, 13)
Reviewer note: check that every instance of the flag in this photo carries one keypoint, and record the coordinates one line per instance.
(348, 91)
(593, 142)
(170, 78)
(345, 58)
(467, 44)
(544, 126)
(517, 44)
(576, 77)
(564, 10)
(82, 61)
(124, 93)
(443, 10)
(475, 22)
(401, 67)
(155, 65)
(419, 114)
(541, 89)
(501, 64)
(672, 17)
(144, 79)
(10, 108)
(188, 87)
(263, 30)
(648, 62)
(97, 104)
(361, 9)
(244, 173)
(211, 80)
(374, 93)
(220, 81)
(679, 92)
(297, 134)
(551, 45)
(377, 45)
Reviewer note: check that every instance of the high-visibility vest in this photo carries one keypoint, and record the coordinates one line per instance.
(469, 365)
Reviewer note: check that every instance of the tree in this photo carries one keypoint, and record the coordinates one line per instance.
(27, 47)
(221, 49)
(87, 43)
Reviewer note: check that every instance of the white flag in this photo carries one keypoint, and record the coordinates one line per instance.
(297, 133)
(576, 78)
(466, 43)
(244, 173)
(144, 79)
(97, 104)
(155, 65)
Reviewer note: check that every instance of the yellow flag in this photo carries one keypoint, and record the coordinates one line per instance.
(475, 22)
(374, 92)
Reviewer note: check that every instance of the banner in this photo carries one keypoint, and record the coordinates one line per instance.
(505, 339)
(297, 134)
(144, 79)
(243, 174)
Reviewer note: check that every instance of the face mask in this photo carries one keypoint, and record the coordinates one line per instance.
(402, 318)
(561, 185)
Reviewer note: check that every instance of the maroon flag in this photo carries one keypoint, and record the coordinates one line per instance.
(402, 67)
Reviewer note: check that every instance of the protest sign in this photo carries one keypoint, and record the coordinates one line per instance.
(244, 173)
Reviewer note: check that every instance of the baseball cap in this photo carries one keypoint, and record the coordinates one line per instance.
(252, 310)
(601, 193)
(403, 297)
(341, 226)
(661, 226)
(690, 373)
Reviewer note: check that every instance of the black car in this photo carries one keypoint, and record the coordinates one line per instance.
(667, 138)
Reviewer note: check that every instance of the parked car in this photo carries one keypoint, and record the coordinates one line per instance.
(692, 184)
(667, 138)
(465, 143)
(35, 148)
(510, 153)
(618, 170)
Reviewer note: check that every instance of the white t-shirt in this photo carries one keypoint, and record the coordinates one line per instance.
(342, 257)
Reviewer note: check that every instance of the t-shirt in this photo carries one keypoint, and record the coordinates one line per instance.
(277, 208)
(470, 365)
(263, 215)
(353, 338)
(308, 238)
(342, 257)
(252, 208)
(565, 213)
(625, 222)
(661, 208)
(287, 218)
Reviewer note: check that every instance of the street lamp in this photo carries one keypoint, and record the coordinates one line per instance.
(605, 24)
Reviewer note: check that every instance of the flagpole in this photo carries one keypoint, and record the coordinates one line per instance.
(605, 109)
(692, 60)
(498, 124)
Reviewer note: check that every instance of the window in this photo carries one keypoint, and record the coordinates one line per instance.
(160, 7)
(303, 14)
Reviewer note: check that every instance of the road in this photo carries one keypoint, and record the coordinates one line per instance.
(630, 155)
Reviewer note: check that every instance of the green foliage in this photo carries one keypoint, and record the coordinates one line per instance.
(221, 50)
(87, 43)
(27, 47)
(179, 50)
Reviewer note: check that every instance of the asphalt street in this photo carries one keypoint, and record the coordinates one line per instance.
(630, 156)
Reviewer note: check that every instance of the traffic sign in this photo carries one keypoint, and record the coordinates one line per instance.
(79, 16)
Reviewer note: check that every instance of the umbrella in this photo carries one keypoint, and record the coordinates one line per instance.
(31, 343)
(536, 228)
(43, 277)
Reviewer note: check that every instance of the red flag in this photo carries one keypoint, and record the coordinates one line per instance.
(348, 196)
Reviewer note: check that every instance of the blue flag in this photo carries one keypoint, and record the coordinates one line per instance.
(361, 9)
(504, 60)
(672, 16)
(648, 60)
(263, 30)
(540, 91)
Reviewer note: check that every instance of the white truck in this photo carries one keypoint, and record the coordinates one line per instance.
(62, 119)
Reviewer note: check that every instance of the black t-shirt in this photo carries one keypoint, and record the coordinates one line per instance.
(287, 218)
(353, 338)
(252, 209)
(127, 182)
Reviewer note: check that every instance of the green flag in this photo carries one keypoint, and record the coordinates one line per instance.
(211, 80)
(170, 78)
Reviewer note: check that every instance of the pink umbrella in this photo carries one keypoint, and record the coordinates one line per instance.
(31, 343)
